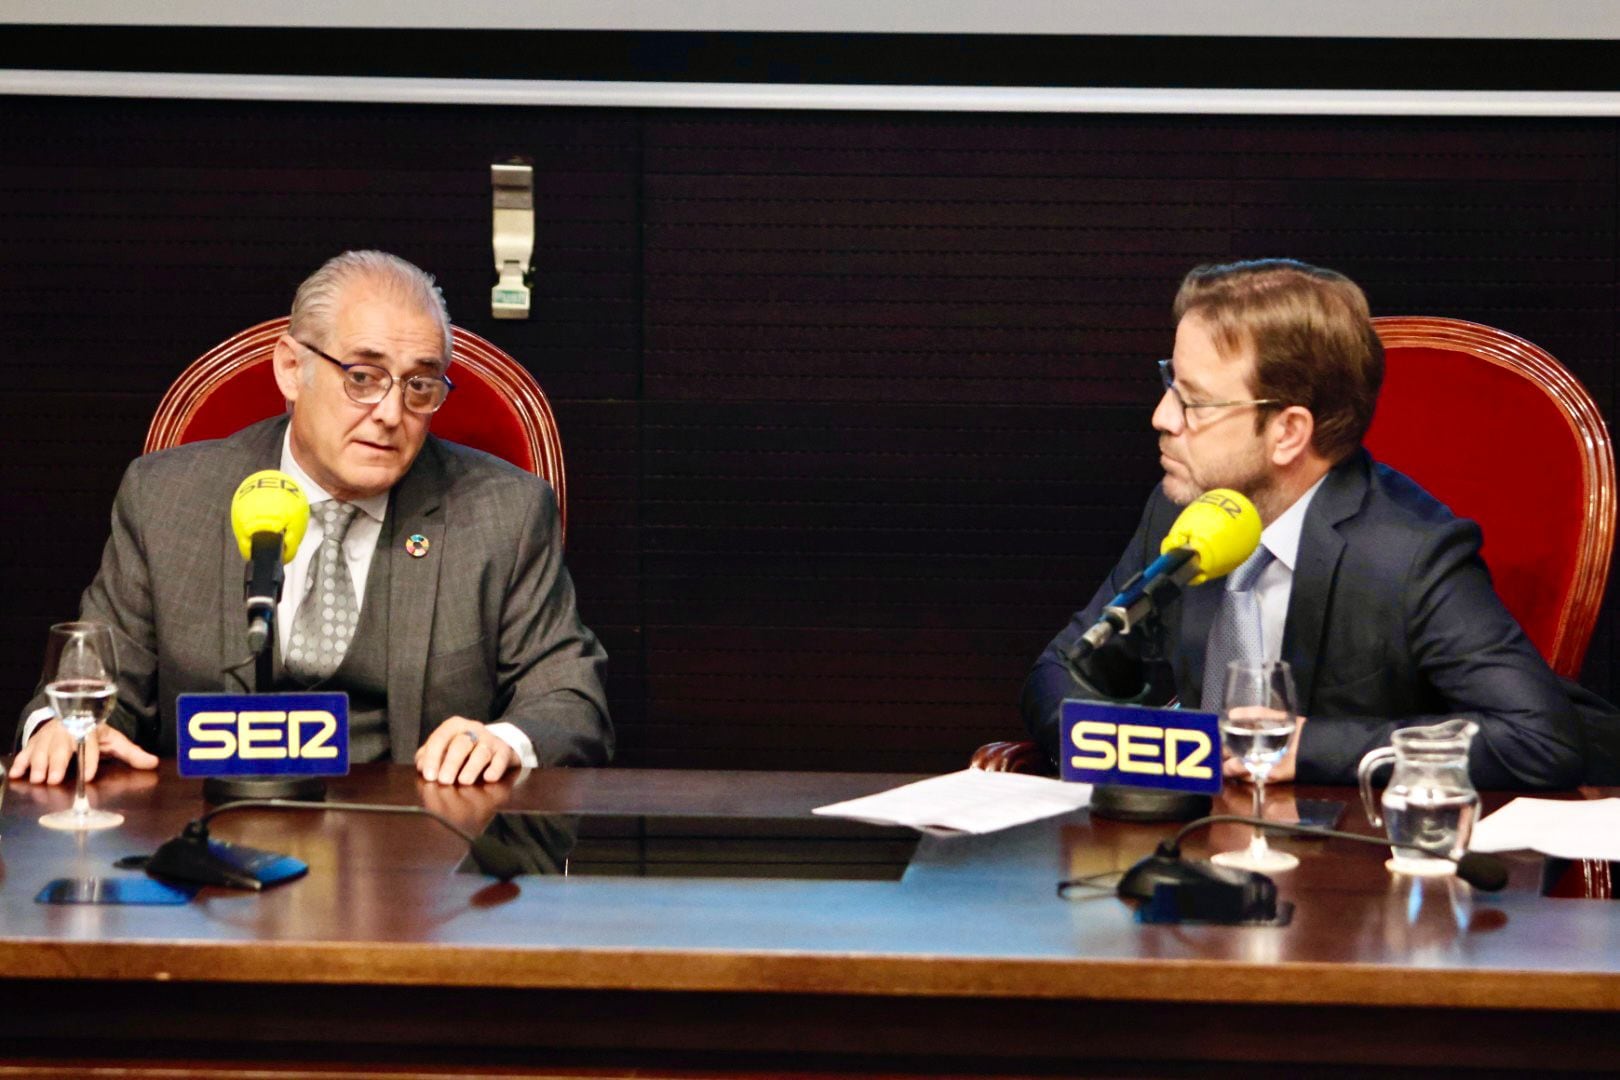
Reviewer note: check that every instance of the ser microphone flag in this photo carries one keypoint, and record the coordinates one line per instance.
(1210, 538)
(269, 515)
(1221, 527)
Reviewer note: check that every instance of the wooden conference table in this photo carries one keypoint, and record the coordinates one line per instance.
(386, 961)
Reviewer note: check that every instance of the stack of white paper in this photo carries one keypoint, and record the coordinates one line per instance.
(970, 801)
(1562, 828)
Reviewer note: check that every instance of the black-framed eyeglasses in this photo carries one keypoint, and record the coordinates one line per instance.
(1167, 375)
(367, 384)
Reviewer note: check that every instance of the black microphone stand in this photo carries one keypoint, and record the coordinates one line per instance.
(263, 593)
(1107, 674)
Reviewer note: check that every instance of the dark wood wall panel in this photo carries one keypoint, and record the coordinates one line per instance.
(855, 406)
(892, 565)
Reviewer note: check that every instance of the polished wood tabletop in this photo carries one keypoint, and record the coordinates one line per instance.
(973, 922)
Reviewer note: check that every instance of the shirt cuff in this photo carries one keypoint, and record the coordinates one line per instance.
(45, 712)
(512, 736)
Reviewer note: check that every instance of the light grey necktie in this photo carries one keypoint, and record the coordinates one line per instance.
(328, 614)
(1236, 634)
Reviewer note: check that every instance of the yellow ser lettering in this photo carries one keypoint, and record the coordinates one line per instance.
(212, 734)
(1139, 746)
(1084, 735)
(260, 734)
(1192, 766)
(317, 745)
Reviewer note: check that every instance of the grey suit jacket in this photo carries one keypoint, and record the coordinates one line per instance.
(483, 626)
(1392, 622)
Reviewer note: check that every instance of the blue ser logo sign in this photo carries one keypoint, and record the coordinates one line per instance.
(263, 734)
(1138, 747)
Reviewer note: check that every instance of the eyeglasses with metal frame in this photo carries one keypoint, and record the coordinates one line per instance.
(1167, 375)
(367, 384)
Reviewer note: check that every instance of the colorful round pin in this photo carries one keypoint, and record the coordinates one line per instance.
(417, 545)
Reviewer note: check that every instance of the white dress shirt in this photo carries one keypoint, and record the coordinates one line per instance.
(1276, 582)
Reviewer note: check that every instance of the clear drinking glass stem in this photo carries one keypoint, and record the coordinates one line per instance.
(81, 801)
(1257, 845)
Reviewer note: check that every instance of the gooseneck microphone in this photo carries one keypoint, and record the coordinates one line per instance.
(1166, 866)
(194, 857)
(1211, 538)
(269, 514)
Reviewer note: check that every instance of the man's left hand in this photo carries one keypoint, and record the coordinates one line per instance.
(463, 751)
(1281, 773)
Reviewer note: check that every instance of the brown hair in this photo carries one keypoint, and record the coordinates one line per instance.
(1312, 336)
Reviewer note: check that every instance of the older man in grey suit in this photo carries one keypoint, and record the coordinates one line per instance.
(456, 634)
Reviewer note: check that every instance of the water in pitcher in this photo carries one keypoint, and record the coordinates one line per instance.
(1430, 799)
(1440, 819)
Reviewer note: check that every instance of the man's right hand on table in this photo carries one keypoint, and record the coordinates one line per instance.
(49, 752)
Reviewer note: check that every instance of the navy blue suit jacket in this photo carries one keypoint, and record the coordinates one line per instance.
(1392, 622)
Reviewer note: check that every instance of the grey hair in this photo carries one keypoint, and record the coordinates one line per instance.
(314, 305)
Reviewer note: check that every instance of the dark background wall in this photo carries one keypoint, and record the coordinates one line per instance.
(855, 406)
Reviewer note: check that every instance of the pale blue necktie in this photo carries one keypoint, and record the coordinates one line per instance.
(328, 614)
(1236, 635)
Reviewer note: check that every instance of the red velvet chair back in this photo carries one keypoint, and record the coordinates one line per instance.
(497, 406)
(1500, 432)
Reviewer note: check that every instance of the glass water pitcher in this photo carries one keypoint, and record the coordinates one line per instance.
(1429, 799)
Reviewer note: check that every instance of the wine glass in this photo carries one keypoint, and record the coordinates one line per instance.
(81, 680)
(1258, 719)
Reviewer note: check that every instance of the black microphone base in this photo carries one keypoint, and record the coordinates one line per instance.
(1119, 803)
(199, 860)
(218, 790)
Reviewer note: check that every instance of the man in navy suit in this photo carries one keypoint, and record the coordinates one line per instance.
(1371, 589)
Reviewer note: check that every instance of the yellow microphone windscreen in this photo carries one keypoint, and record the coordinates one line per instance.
(1222, 526)
(269, 501)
